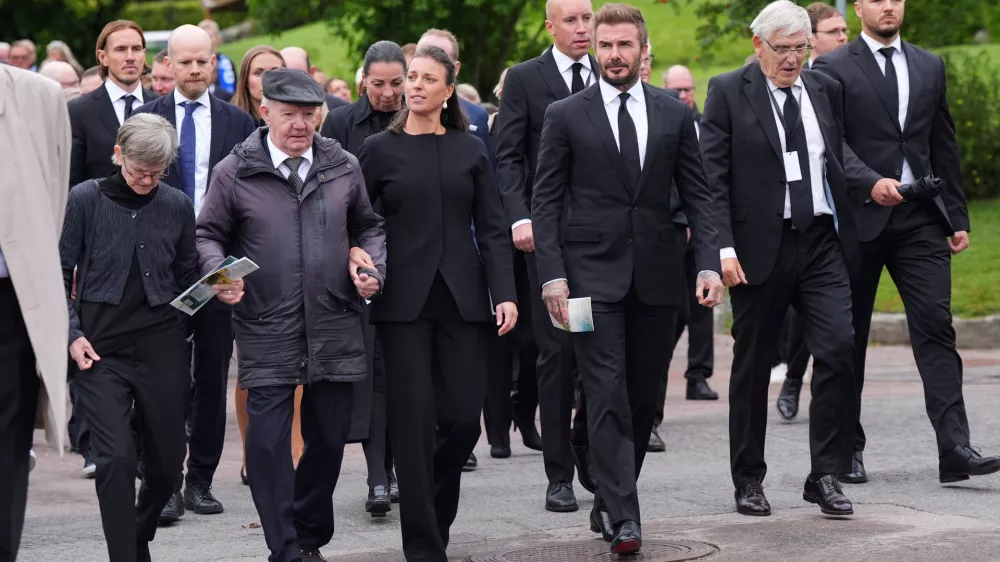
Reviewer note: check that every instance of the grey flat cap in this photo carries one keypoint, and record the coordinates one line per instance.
(292, 86)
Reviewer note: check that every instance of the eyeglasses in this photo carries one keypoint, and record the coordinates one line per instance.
(783, 50)
(844, 30)
(155, 177)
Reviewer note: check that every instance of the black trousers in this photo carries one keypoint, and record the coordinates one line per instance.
(378, 453)
(296, 507)
(913, 247)
(810, 274)
(19, 386)
(505, 352)
(435, 372)
(699, 322)
(795, 352)
(213, 349)
(554, 371)
(621, 366)
(147, 380)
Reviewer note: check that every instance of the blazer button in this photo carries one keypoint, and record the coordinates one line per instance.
(781, 182)
(142, 245)
(348, 166)
(630, 239)
(322, 177)
(133, 214)
(146, 273)
(899, 172)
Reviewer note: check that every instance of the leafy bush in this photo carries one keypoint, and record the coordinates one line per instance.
(166, 15)
(974, 99)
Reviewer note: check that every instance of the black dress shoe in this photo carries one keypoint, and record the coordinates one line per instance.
(243, 476)
(628, 538)
(500, 452)
(600, 522)
(310, 555)
(560, 498)
(200, 500)
(378, 503)
(584, 468)
(825, 491)
(963, 461)
(655, 445)
(698, 389)
(857, 474)
(788, 400)
(173, 511)
(471, 464)
(750, 500)
(529, 435)
(393, 487)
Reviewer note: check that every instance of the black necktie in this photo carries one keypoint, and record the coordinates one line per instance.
(294, 178)
(577, 78)
(628, 142)
(799, 192)
(129, 100)
(892, 82)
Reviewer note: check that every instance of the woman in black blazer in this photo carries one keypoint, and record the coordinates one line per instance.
(435, 183)
(384, 71)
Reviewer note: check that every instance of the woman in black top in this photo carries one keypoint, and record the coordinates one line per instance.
(435, 182)
(134, 240)
(384, 71)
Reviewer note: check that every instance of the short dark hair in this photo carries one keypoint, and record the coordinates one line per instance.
(614, 14)
(819, 11)
(161, 56)
(384, 51)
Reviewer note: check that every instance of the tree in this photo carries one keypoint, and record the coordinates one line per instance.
(491, 33)
(77, 22)
(926, 23)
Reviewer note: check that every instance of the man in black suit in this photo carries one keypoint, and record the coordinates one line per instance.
(529, 88)
(95, 117)
(771, 137)
(208, 130)
(896, 120)
(602, 214)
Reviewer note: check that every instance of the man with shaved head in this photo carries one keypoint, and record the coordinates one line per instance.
(65, 74)
(208, 129)
(298, 59)
(529, 88)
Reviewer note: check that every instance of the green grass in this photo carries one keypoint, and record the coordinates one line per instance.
(326, 50)
(975, 273)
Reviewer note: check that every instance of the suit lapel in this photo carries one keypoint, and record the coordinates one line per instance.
(550, 73)
(760, 100)
(654, 121)
(916, 79)
(864, 58)
(599, 117)
(106, 110)
(218, 132)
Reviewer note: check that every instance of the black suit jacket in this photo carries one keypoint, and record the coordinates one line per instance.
(597, 232)
(230, 126)
(746, 171)
(872, 130)
(95, 129)
(351, 125)
(528, 90)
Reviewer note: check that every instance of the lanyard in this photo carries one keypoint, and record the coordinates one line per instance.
(781, 116)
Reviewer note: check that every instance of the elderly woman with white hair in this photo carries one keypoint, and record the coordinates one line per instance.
(132, 238)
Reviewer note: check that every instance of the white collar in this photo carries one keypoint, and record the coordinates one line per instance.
(278, 157)
(773, 86)
(115, 92)
(564, 62)
(610, 93)
(875, 45)
(180, 98)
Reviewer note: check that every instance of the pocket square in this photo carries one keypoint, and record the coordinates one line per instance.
(473, 128)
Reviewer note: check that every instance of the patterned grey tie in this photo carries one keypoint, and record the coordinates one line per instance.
(293, 178)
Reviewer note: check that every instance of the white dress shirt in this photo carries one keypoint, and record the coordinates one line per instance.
(278, 159)
(903, 85)
(816, 147)
(117, 96)
(203, 142)
(565, 65)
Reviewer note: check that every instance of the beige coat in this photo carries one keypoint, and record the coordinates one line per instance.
(35, 142)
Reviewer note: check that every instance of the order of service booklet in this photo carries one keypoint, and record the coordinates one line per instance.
(581, 317)
(231, 269)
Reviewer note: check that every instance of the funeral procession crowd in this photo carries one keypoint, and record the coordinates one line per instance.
(416, 250)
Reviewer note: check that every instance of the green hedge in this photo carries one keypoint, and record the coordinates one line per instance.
(166, 15)
(974, 99)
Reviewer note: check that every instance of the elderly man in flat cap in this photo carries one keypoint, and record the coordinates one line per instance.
(294, 203)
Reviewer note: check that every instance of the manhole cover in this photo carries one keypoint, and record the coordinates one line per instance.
(652, 551)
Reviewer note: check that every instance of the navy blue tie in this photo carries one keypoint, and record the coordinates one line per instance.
(188, 148)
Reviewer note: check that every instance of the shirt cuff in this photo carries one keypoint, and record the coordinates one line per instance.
(727, 253)
(553, 281)
(520, 222)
